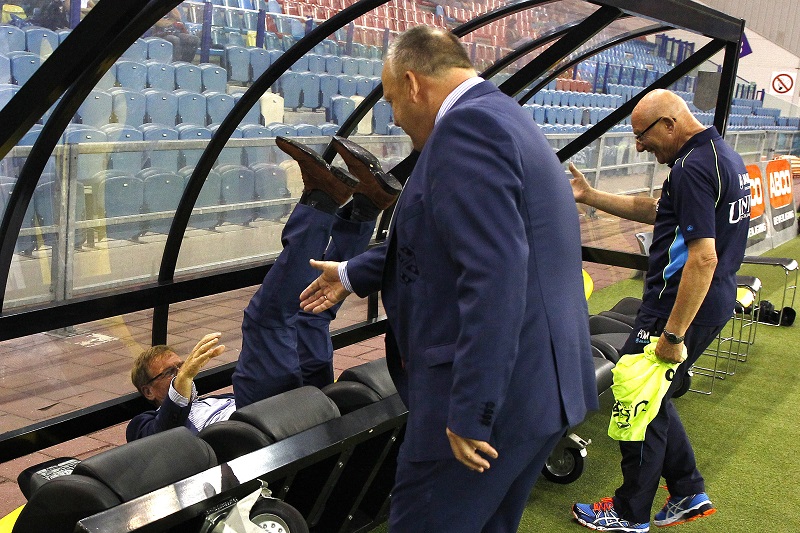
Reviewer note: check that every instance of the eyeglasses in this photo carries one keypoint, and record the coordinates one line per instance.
(648, 128)
(170, 372)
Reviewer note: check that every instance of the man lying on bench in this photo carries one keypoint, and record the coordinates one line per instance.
(283, 347)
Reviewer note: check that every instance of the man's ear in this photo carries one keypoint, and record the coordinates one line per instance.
(413, 85)
(147, 392)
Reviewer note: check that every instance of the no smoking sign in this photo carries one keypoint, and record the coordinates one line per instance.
(782, 83)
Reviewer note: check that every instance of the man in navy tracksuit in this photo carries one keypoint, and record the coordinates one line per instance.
(699, 238)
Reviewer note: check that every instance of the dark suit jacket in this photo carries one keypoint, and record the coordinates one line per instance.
(481, 282)
(169, 415)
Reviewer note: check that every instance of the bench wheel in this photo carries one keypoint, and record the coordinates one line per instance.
(685, 386)
(278, 516)
(564, 466)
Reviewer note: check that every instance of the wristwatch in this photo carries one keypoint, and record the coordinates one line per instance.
(672, 338)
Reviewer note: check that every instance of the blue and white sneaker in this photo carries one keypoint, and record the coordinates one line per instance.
(680, 509)
(601, 516)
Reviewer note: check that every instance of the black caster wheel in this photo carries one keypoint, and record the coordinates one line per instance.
(277, 516)
(685, 385)
(564, 467)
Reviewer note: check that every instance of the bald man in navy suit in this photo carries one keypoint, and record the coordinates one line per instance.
(488, 336)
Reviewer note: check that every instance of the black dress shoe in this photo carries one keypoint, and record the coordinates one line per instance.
(381, 188)
(317, 174)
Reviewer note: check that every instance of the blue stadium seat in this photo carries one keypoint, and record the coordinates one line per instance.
(341, 108)
(23, 65)
(6, 94)
(218, 106)
(394, 129)
(238, 186)
(283, 130)
(89, 165)
(122, 196)
(255, 154)
(12, 39)
(214, 78)
(316, 63)
(159, 49)
(270, 184)
(128, 161)
(274, 54)
(260, 61)
(363, 85)
(301, 65)
(188, 77)
(161, 107)
(109, 79)
(253, 116)
(62, 34)
(25, 244)
(136, 52)
(131, 75)
(329, 129)
(237, 60)
(190, 132)
(538, 114)
(40, 41)
(129, 106)
(333, 64)
(5, 69)
(290, 89)
(96, 109)
(30, 137)
(161, 76)
(191, 108)
(381, 117)
(310, 89)
(349, 66)
(166, 159)
(230, 155)
(162, 193)
(364, 66)
(347, 85)
(307, 130)
(328, 86)
(210, 195)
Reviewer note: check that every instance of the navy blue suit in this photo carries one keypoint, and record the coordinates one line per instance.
(488, 324)
(284, 348)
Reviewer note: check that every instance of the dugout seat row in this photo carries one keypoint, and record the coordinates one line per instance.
(61, 492)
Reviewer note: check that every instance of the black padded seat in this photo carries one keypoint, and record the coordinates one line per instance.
(602, 371)
(608, 335)
(114, 477)
(624, 310)
(361, 385)
(257, 425)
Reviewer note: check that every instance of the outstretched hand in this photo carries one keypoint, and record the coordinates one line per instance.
(325, 291)
(580, 185)
(466, 451)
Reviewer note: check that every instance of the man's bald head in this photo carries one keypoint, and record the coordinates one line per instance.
(663, 123)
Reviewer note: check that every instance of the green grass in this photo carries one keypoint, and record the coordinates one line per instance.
(745, 434)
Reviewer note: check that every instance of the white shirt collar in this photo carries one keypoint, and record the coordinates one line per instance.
(457, 93)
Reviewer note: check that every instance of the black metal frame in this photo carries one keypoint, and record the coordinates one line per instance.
(73, 66)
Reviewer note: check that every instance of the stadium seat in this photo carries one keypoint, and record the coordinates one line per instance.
(191, 108)
(161, 107)
(188, 77)
(268, 421)
(166, 159)
(363, 85)
(112, 477)
(270, 184)
(290, 89)
(341, 108)
(329, 129)
(260, 61)
(329, 87)
(214, 78)
(272, 107)
(96, 109)
(210, 195)
(255, 154)
(218, 106)
(253, 116)
(109, 79)
(307, 130)
(131, 75)
(129, 106)
(189, 132)
(5, 70)
(121, 196)
(128, 161)
(40, 41)
(238, 186)
(350, 66)
(347, 85)
(12, 39)
(23, 65)
(88, 164)
(159, 49)
(333, 64)
(310, 89)
(161, 76)
(381, 117)
(281, 130)
(237, 61)
(162, 193)
(136, 52)
(316, 63)
(301, 65)
(230, 155)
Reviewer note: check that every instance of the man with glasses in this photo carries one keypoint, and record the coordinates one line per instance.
(699, 237)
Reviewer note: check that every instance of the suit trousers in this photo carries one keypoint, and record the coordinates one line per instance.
(445, 496)
(282, 347)
(666, 451)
